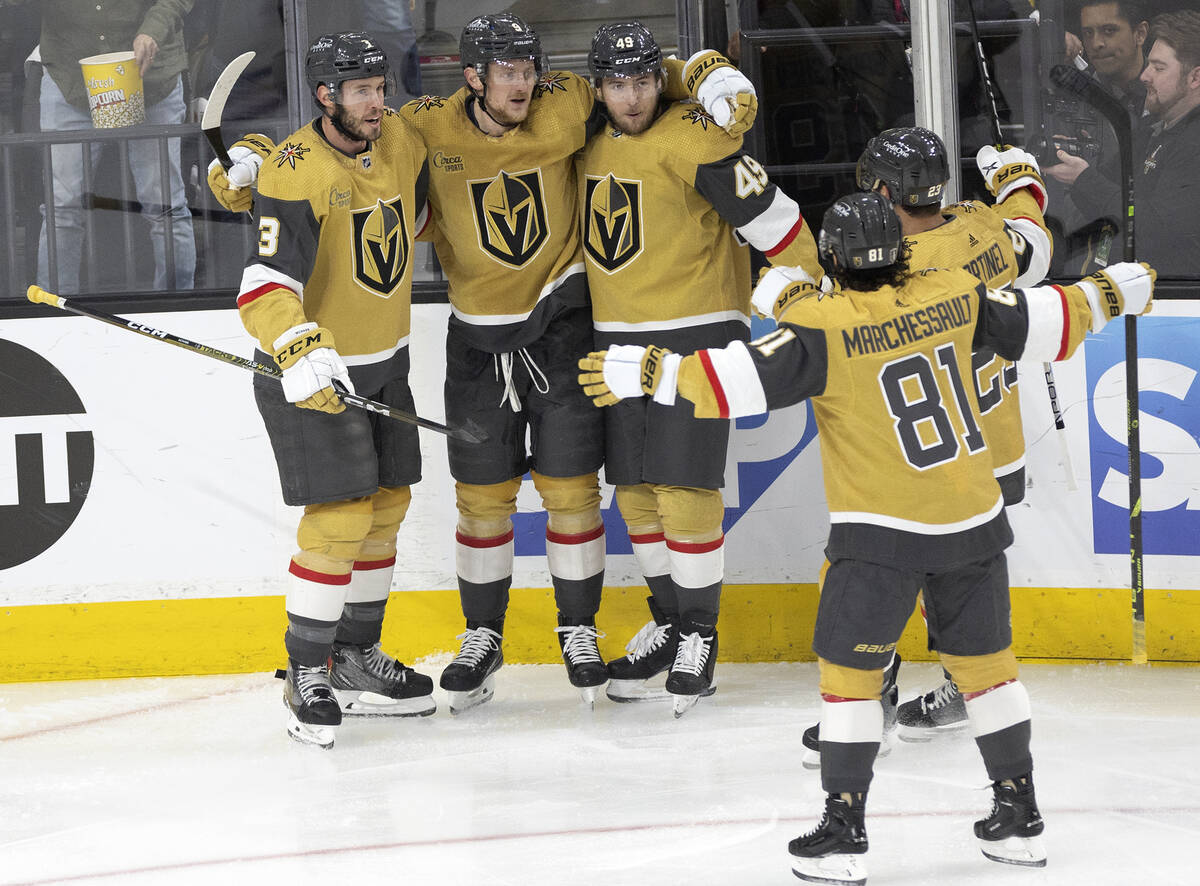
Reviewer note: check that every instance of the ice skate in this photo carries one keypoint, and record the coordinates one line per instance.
(585, 668)
(313, 712)
(691, 676)
(650, 654)
(370, 683)
(1012, 833)
(835, 850)
(935, 713)
(470, 678)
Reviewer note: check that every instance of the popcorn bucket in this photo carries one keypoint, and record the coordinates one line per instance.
(114, 88)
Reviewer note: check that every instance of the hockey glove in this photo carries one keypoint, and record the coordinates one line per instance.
(1123, 288)
(232, 188)
(725, 92)
(629, 371)
(310, 364)
(777, 288)
(1010, 170)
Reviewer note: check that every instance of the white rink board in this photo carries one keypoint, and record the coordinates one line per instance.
(184, 499)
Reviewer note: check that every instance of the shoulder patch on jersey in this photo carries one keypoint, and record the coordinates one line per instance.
(290, 153)
(551, 81)
(425, 103)
(697, 116)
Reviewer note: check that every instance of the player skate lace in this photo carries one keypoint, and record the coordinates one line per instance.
(942, 696)
(379, 664)
(476, 643)
(313, 682)
(647, 640)
(579, 643)
(504, 368)
(819, 827)
(692, 654)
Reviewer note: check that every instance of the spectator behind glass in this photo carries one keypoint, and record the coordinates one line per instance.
(1114, 37)
(224, 29)
(152, 30)
(1166, 172)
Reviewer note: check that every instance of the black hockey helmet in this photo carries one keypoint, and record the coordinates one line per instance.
(910, 160)
(860, 231)
(499, 37)
(626, 49)
(334, 58)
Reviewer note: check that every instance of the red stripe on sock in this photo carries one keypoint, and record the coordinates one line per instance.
(323, 578)
(374, 564)
(690, 547)
(715, 383)
(648, 538)
(575, 538)
(494, 542)
(838, 698)
(970, 695)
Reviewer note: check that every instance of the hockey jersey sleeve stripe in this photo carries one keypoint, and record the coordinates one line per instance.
(786, 241)
(772, 229)
(731, 372)
(714, 382)
(1034, 260)
(258, 279)
(1049, 333)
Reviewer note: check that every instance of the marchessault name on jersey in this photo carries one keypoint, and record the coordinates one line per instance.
(898, 332)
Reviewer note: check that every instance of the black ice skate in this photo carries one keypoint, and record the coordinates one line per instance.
(835, 850)
(585, 668)
(937, 712)
(691, 676)
(1011, 834)
(650, 654)
(370, 683)
(313, 712)
(469, 679)
(811, 739)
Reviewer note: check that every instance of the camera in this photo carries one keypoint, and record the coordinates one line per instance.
(1070, 125)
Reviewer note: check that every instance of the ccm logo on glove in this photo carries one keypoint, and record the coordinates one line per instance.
(300, 346)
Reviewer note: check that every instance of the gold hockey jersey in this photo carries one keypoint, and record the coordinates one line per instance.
(662, 211)
(907, 469)
(505, 210)
(335, 246)
(1006, 245)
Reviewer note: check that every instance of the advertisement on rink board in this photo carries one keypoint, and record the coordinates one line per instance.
(133, 470)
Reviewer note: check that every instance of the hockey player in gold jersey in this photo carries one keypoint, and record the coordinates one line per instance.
(327, 293)
(1003, 245)
(912, 497)
(505, 224)
(665, 195)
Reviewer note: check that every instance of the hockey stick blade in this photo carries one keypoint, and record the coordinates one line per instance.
(210, 122)
(472, 433)
(1074, 81)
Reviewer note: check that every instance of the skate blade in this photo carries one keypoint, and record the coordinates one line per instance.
(836, 869)
(473, 698)
(370, 704)
(918, 734)
(589, 694)
(684, 703)
(1028, 852)
(306, 733)
(626, 691)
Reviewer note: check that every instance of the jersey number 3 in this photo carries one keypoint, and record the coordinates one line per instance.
(922, 421)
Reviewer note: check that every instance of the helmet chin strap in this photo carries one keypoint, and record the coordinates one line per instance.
(335, 119)
(481, 103)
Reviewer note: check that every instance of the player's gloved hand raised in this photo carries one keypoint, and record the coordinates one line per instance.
(232, 188)
(1123, 288)
(310, 364)
(1009, 170)
(778, 286)
(629, 371)
(725, 92)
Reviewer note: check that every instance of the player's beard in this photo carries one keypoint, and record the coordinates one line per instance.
(353, 128)
(504, 116)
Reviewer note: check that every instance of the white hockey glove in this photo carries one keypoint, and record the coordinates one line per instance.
(1123, 288)
(232, 188)
(1010, 170)
(772, 284)
(629, 371)
(725, 92)
(310, 364)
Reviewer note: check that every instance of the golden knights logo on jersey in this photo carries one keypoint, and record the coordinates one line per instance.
(380, 246)
(613, 221)
(510, 215)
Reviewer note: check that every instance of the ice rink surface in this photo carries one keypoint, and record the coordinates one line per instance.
(192, 780)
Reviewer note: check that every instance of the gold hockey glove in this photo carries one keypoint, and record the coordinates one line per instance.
(628, 371)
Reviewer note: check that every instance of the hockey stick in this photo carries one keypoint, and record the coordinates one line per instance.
(1114, 112)
(989, 92)
(210, 121)
(472, 433)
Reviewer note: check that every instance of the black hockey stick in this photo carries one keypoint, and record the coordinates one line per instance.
(1078, 83)
(989, 92)
(469, 434)
(210, 121)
